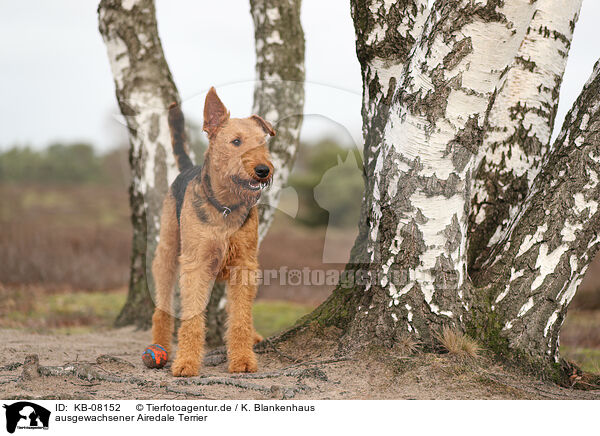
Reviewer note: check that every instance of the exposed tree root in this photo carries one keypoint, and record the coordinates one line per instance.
(175, 390)
(11, 366)
(93, 373)
(539, 388)
(274, 391)
(89, 372)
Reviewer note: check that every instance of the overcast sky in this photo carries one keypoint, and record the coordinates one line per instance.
(56, 82)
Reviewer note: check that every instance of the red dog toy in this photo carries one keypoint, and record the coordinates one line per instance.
(155, 356)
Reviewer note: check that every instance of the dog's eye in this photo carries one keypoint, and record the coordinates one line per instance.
(237, 142)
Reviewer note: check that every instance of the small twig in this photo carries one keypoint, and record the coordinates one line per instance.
(293, 372)
(105, 358)
(175, 390)
(85, 385)
(224, 381)
(273, 391)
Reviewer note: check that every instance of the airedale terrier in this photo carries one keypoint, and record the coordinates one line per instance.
(209, 228)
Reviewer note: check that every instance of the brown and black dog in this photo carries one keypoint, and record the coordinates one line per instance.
(209, 228)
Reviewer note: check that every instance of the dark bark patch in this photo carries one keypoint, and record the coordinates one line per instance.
(453, 234)
(461, 49)
(154, 126)
(431, 105)
(466, 143)
(445, 281)
(528, 64)
(411, 247)
(394, 45)
(432, 186)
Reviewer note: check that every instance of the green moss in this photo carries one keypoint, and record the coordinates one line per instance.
(271, 317)
(338, 310)
(486, 326)
(587, 358)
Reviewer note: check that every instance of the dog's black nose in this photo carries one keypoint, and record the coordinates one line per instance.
(261, 171)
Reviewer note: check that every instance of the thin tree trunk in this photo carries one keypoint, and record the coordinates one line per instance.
(520, 124)
(144, 89)
(279, 98)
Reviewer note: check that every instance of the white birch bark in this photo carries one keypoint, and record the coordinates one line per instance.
(475, 65)
(279, 89)
(144, 89)
(520, 124)
(535, 270)
(423, 169)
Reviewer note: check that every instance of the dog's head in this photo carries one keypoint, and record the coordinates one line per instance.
(238, 154)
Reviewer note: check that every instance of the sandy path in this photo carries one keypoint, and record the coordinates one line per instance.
(287, 373)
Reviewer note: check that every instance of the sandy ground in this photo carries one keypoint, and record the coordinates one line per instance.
(71, 368)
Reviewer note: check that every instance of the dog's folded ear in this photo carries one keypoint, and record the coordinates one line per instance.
(266, 126)
(215, 112)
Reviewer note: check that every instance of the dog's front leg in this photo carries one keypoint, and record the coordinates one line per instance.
(241, 336)
(199, 264)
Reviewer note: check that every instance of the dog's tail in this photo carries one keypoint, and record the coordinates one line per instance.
(177, 127)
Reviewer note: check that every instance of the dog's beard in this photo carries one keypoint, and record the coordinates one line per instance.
(249, 188)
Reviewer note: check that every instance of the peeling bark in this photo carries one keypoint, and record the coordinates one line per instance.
(418, 189)
(144, 89)
(475, 91)
(520, 124)
(535, 270)
(279, 89)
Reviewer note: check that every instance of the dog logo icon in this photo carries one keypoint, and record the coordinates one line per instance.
(26, 415)
(335, 198)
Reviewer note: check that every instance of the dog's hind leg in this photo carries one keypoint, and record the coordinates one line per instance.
(164, 271)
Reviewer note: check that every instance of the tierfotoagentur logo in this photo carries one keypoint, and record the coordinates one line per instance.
(27, 416)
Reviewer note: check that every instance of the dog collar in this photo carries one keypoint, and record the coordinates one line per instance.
(225, 210)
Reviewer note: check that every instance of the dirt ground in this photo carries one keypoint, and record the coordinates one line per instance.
(107, 365)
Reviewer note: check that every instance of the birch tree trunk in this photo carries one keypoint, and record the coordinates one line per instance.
(144, 89)
(520, 124)
(458, 108)
(279, 98)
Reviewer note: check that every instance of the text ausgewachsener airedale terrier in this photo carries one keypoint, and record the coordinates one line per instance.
(209, 228)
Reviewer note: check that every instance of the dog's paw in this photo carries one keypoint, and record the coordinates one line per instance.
(247, 363)
(256, 338)
(184, 368)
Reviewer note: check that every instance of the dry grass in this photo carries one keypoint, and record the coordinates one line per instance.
(458, 343)
(62, 238)
(408, 345)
